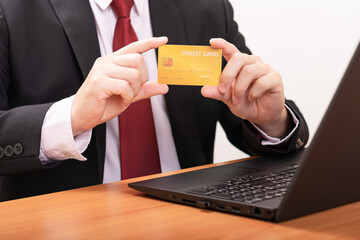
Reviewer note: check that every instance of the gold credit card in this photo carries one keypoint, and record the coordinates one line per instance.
(189, 65)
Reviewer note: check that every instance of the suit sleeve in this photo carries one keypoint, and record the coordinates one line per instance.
(240, 132)
(20, 127)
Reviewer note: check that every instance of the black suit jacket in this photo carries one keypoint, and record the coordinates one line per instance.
(47, 48)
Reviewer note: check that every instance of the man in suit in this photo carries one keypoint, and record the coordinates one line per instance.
(59, 100)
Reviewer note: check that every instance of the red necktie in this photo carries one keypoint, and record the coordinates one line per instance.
(138, 146)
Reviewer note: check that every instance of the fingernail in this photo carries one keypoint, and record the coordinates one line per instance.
(222, 87)
(163, 38)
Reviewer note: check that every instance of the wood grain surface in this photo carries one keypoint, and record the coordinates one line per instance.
(114, 211)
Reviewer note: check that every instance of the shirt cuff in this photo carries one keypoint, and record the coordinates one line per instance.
(57, 140)
(271, 141)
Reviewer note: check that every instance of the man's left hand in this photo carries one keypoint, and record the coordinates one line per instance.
(252, 90)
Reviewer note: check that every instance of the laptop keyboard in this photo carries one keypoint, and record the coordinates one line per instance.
(251, 189)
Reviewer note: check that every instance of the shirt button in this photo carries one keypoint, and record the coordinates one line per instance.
(2, 152)
(18, 149)
(9, 151)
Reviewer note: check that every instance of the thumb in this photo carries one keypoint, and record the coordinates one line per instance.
(228, 49)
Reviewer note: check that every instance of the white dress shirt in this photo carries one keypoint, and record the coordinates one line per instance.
(57, 121)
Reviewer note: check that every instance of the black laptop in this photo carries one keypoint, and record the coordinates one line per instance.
(324, 176)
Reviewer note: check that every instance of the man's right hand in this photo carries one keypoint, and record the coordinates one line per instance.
(114, 82)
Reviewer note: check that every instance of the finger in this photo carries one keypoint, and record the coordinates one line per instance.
(130, 75)
(150, 89)
(119, 88)
(214, 93)
(233, 68)
(265, 84)
(131, 60)
(142, 45)
(247, 75)
(134, 60)
(228, 49)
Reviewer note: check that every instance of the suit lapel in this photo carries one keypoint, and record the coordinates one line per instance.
(167, 21)
(78, 22)
(80, 30)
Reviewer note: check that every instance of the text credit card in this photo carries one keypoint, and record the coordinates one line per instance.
(189, 65)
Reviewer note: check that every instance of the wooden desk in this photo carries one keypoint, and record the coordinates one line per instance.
(114, 211)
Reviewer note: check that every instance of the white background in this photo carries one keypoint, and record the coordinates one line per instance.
(309, 42)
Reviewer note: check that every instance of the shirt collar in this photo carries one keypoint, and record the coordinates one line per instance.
(103, 4)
